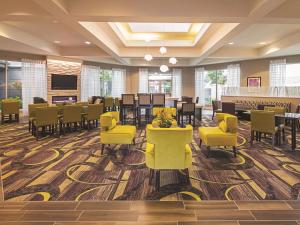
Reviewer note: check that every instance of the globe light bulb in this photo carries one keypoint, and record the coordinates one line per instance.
(164, 68)
(148, 57)
(163, 50)
(172, 60)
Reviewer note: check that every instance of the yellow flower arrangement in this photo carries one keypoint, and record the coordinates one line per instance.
(164, 119)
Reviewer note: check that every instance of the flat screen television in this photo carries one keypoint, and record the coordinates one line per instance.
(63, 82)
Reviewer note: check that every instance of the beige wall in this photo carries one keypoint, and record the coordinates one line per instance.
(254, 68)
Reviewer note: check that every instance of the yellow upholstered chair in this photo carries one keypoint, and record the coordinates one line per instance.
(168, 149)
(111, 133)
(10, 107)
(108, 104)
(93, 114)
(225, 134)
(72, 115)
(279, 122)
(82, 103)
(45, 117)
(156, 111)
(263, 122)
(31, 112)
(117, 104)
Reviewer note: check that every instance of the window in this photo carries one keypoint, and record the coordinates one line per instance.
(10, 79)
(14, 82)
(160, 83)
(2, 81)
(106, 83)
(214, 81)
(292, 75)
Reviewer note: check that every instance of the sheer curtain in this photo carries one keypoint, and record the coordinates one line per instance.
(200, 84)
(277, 77)
(176, 83)
(118, 82)
(90, 81)
(233, 79)
(34, 81)
(143, 80)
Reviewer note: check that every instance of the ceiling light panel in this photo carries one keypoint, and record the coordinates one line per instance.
(159, 27)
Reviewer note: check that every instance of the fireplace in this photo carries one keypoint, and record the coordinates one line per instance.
(62, 99)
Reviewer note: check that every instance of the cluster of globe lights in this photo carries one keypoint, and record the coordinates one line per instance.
(163, 68)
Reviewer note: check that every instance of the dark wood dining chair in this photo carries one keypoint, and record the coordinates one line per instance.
(228, 107)
(128, 104)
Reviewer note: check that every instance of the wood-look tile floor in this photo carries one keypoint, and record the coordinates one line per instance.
(151, 213)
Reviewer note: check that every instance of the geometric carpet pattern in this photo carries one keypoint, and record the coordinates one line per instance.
(70, 168)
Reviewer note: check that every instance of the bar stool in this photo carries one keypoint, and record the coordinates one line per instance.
(128, 104)
(158, 100)
(188, 110)
(144, 102)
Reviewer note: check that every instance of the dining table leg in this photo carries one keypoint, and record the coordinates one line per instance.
(294, 131)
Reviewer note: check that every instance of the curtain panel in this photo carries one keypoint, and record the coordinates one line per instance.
(233, 75)
(143, 80)
(177, 83)
(277, 73)
(34, 81)
(200, 84)
(118, 82)
(90, 81)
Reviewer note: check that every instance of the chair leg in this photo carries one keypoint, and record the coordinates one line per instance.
(37, 133)
(151, 176)
(157, 183)
(208, 151)
(251, 138)
(234, 150)
(102, 149)
(273, 140)
(187, 176)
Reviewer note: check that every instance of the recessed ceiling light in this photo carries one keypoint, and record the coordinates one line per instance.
(57, 42)
(87, 42)
(262, 43)
(231, 43)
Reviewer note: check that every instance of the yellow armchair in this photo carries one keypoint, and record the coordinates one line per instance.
(10, 107)
(225, 134)
(168, 149)
(111, 133)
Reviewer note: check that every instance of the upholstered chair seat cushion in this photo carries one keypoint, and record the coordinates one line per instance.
(225, 134)
(111, 133)
(119, 135)
(214, 136)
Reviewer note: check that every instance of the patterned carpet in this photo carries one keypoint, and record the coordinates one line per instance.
(71, 168)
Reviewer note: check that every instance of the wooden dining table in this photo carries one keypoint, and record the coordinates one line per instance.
(294, 118)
